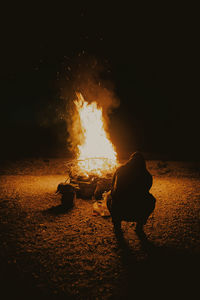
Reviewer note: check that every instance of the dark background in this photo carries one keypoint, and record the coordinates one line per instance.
(150, 54)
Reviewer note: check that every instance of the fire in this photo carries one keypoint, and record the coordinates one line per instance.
(96, 154)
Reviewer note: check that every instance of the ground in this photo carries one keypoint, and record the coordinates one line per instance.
(48, 253)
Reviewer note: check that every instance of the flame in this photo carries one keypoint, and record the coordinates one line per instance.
(96, 154)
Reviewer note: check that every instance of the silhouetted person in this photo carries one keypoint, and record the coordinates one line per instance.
(130, 198)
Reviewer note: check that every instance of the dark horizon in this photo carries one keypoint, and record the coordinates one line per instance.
(151, 60)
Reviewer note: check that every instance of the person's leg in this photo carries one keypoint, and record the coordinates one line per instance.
(144, 212)
(139, 226)
(117, 229)
(116, 223)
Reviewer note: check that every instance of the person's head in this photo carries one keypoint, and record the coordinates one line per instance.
(137, 161)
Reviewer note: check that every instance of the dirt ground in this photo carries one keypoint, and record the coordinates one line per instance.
(46, 253)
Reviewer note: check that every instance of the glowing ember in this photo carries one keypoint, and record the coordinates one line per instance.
(96, 153)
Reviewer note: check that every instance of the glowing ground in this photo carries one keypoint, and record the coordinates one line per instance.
(45, 252)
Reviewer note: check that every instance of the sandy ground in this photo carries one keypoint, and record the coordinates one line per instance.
(47, 253)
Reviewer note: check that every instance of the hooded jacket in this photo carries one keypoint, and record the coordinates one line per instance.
(131, 183)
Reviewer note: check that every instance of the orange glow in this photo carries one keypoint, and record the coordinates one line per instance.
(96, 155)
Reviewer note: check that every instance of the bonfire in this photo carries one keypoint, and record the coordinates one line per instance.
(96, 159)
(96, 154)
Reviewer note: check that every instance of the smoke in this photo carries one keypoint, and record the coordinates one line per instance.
(92, 80)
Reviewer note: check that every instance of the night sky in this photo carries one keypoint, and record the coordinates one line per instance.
(149, 54)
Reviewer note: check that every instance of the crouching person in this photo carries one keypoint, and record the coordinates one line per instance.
(130, 198)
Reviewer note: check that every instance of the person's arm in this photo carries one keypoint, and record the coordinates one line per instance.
(149, 181)
(113, 185)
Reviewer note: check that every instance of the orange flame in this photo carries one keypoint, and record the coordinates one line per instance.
(96, 154)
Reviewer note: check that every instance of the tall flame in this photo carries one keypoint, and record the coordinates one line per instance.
(96, 153)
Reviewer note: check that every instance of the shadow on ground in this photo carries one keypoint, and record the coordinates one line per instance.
(56, 210)
(166, 272)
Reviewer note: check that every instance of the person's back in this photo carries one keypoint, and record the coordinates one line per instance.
(131, 200)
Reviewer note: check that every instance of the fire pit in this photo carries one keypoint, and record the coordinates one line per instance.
(88, 186)
(96, 158)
